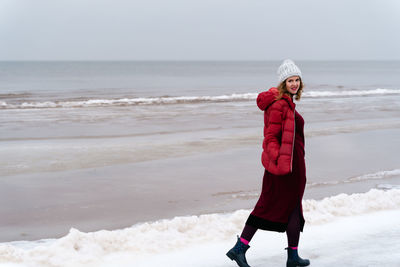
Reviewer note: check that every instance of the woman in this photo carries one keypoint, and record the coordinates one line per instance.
(279, 207)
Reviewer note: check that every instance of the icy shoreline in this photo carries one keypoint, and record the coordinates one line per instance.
(331, 220)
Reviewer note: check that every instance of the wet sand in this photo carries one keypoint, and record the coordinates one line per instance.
(47, 205)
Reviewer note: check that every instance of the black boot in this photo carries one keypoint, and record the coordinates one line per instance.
(294, 260)
(237, 253)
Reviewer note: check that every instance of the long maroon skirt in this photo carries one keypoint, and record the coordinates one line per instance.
(281, 194)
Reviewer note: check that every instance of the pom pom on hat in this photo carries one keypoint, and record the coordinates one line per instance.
(288, 69)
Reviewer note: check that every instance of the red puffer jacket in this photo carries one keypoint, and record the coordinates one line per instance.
(279, 131)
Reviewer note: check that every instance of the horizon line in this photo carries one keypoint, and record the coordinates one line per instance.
(188, 60)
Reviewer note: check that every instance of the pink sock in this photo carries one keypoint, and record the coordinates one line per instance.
(244, 241)
(293, 247)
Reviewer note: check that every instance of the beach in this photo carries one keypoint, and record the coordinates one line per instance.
(154, 162)
(360, 231)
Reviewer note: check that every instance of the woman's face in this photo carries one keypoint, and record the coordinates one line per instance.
(293, 84)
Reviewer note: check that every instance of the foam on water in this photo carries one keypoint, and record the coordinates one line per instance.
(132, 101)
(78, 248)
(183, 99)
(366, 177)
(388, 186)
(379, 91)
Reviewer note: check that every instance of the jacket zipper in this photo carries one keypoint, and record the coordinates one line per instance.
(294, 135)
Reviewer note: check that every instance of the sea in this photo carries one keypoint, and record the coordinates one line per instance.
(145, 162)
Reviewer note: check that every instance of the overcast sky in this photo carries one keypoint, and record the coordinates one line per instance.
(199, 29)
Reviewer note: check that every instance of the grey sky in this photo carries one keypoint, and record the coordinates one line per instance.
(199, 29)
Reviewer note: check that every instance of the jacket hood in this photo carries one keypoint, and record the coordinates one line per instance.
(265, 99)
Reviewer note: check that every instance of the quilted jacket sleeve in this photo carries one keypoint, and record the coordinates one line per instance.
(273, 133)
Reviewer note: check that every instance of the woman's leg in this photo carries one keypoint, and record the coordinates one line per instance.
(293, 228)
(293, 236)
(247, 234)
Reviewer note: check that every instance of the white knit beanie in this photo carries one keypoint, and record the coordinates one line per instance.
(288, 69)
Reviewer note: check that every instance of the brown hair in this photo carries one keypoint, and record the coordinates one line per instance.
(283, 90)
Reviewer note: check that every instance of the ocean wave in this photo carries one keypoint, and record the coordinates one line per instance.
(182, 99)
(132, 101)
(344, 93)
(177, 233)
(388, 186)
(381, 175)
(365, 177)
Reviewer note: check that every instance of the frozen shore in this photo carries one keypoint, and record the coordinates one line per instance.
(351, 230)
